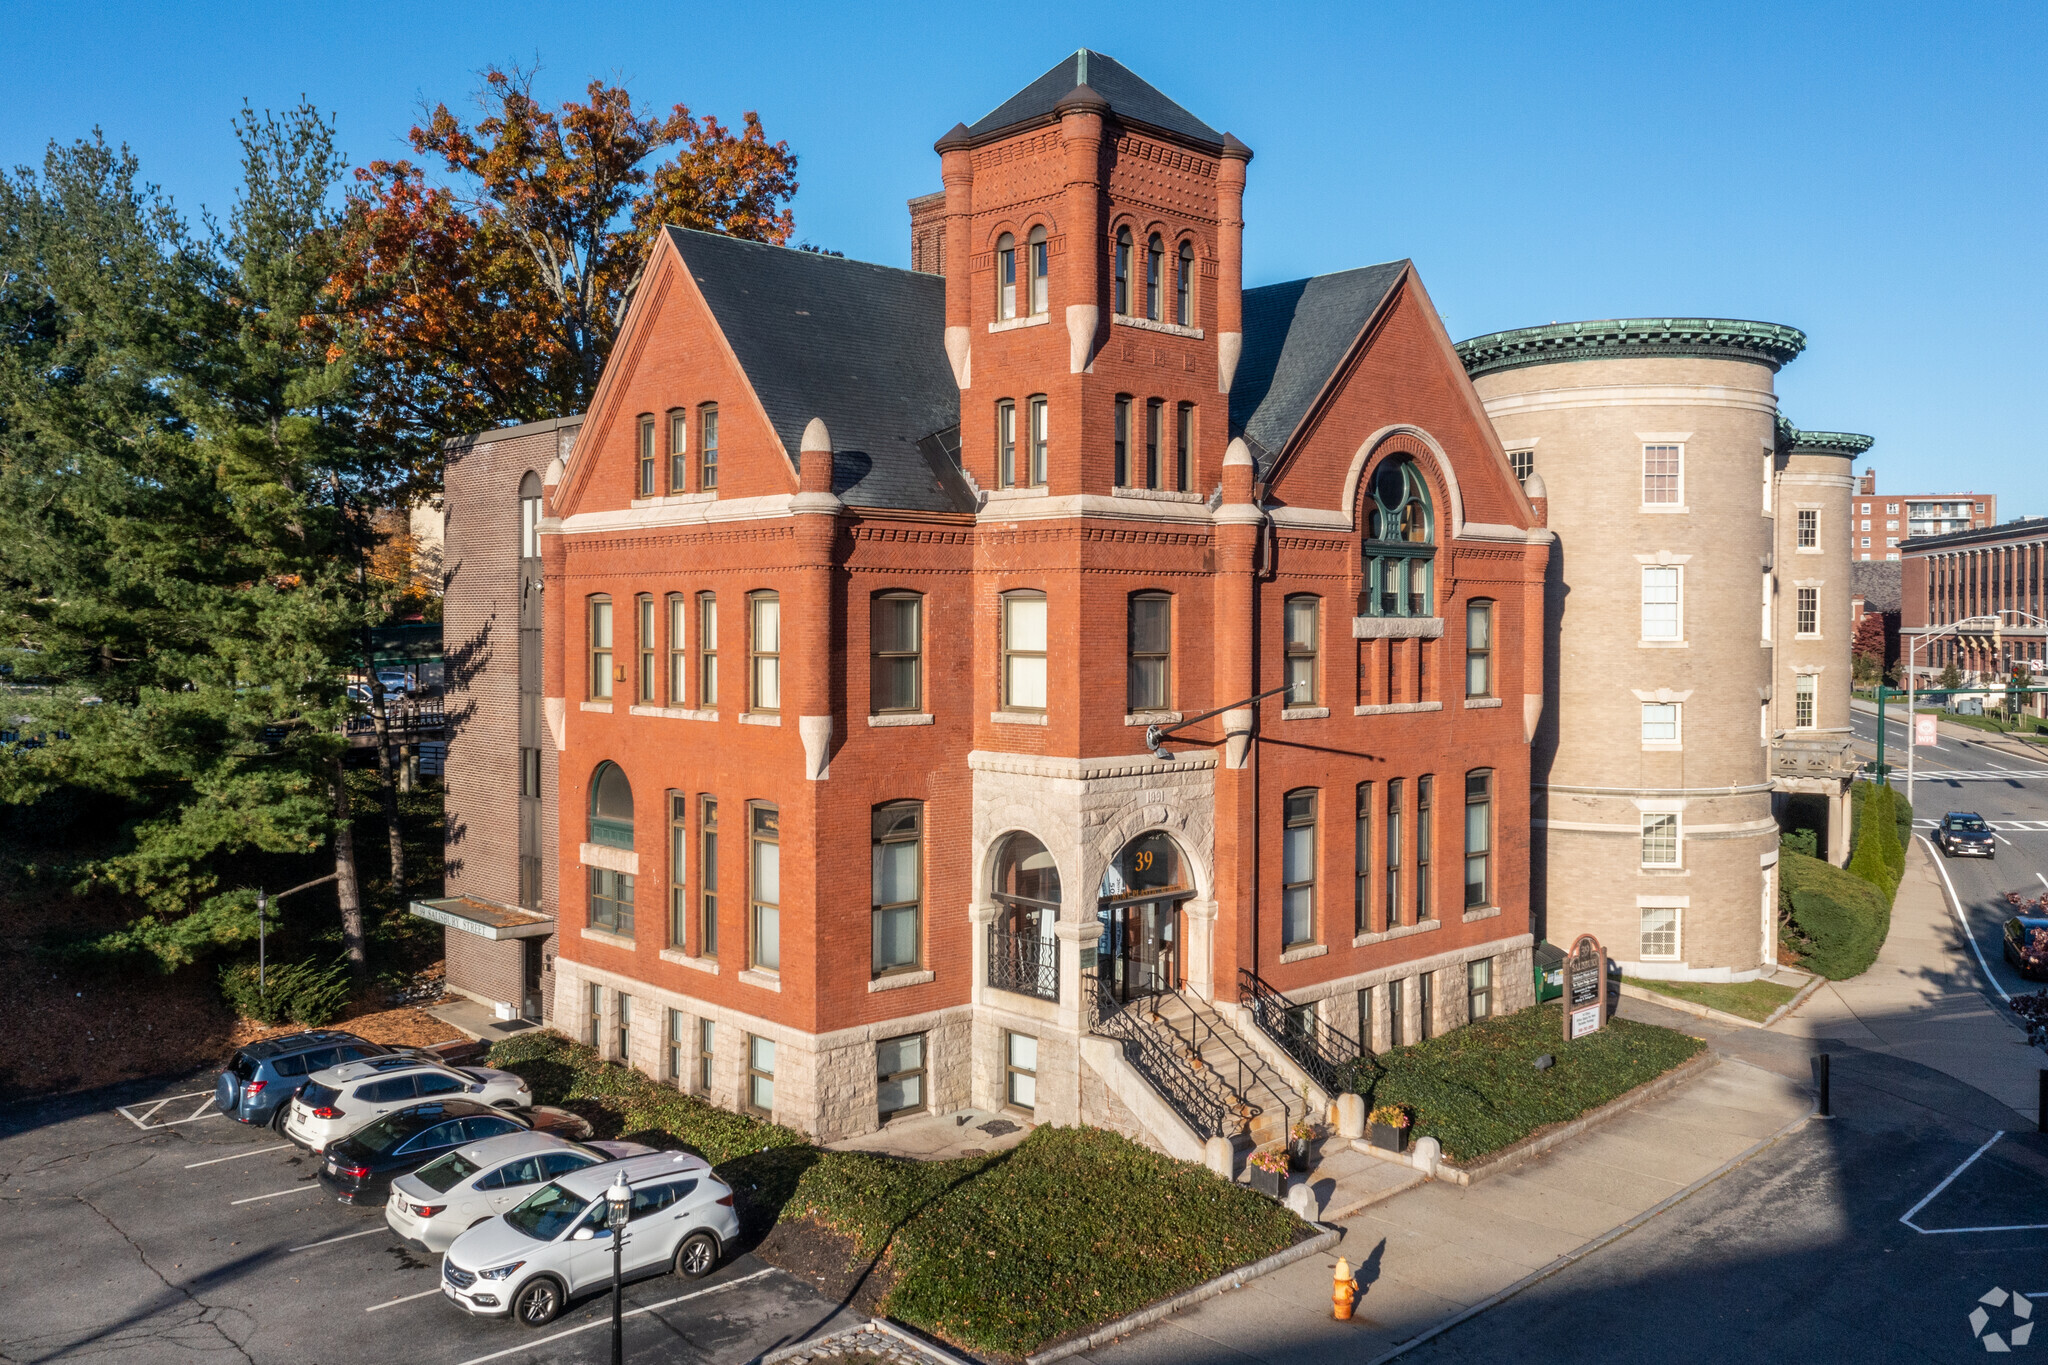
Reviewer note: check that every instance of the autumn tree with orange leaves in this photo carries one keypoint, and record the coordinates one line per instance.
(494, 297)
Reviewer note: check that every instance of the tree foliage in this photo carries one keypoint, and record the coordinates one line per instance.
(494, 296)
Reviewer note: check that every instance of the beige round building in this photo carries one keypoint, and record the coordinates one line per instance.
(1655, 446)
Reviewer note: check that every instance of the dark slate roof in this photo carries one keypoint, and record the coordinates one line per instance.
(1130, 96)
(1295, 336)
(1876, 581)
(860, 346)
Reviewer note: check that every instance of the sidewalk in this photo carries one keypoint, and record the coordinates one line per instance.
(1923, 1001)
(1430, 1252)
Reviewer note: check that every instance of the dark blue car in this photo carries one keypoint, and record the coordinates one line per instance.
(257, 1084)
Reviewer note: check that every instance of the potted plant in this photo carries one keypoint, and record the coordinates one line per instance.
(1388, 1126)
(1299, 1138)
(1269, 1172)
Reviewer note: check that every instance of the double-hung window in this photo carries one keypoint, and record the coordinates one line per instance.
(1663, 475)
(1361, 863)
(707, 650)
(601, 648)
(1006, 277)
(1020, 1058)
(650, 674)
(1298, 869)
(647, 488)
(1659, 933)
(1479, 649)
(1479, 989)
(1808, 608)
(1155, 419)
(1478, 839)
(1660, 839)
(1122, 273)
(1151, 657)
(896, 644)
(1037, 430)
(1395, 797)
(1184, 448)
(678, 863)
(1660, 722)
(1809, 528)
(1155, 266)
(678, 451)
(1425, 836)
(761, 1075)
(764, 837)
(707, 448)
(707, 878)
(898, 896)
(1661, 615)
(1037, 250)
(1122, 473)
(1006, 445)
(707, 1039)
(1302, 645)
(1024, 651)
(764, 651)
(678, 1031)
(1802, 701)
(1184, 292)
(678, 651)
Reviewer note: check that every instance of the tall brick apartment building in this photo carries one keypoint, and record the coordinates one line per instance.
(866, 593)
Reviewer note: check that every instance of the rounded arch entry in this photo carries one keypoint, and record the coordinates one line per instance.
(1023, 953)
(1138, 907)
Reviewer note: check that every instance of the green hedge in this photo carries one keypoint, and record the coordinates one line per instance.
(1834, 920)
(1881, 830)
(1476, 1089)
(1003, 1253)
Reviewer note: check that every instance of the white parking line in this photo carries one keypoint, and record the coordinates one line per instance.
(215, 1161)
(274, 1194)
(345, 1237)
(1949, 1179)
(631, 1313)
(393, 1303)
(1955, 906)
(146, 1120)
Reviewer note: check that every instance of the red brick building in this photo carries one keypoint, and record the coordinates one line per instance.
(863, 589)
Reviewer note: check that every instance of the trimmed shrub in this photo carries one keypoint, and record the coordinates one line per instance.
(1835, 920)
(1882, 827)
(293, 992)
(1801, 841)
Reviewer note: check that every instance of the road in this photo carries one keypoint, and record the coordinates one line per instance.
(2011, 793)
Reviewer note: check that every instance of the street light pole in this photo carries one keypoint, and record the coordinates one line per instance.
(262, 914)
(618, 1203)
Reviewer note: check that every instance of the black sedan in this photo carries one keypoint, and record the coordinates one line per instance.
(1964, 834)
(2026, 945)
(360, 1167)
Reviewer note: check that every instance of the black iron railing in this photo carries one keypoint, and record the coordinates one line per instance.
(1024, 963)
(1154, 1051)
(1331, 1060)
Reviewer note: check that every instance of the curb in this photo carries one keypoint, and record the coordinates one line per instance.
(1145, 1317)
(1692, 1007)
(880, 1326)
(1805, 993)
(1570, 1258)
(1539, 1143)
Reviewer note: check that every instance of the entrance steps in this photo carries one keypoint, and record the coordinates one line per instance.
(1258, 1102)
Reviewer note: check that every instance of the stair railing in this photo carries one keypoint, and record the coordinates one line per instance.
(1203, 1024)
(1331, 1059)
(1150, 1049)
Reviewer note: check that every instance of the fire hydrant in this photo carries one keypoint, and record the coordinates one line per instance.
(1344, 1291)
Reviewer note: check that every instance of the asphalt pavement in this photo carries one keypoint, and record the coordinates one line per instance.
(2010, 790)
(202, 1240)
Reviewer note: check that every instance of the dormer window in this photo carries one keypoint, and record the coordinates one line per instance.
(1038, 263)
(1184, 294)
(1155, 265)
(1400, 541)
(1006, 277)
(1123, 272)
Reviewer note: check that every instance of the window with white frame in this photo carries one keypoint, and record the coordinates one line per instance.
(1522, 462)
(1889, 508)
(1807, 618)
(1802, 701)
(1660, 722)
(1660, 602)
(1020, 1068)
(1024, 651)
(1809, 528)
(1298, 869)
(1663, 475)
(1660, 839)
(1659, 933)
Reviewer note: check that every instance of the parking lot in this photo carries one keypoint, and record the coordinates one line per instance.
(142, 1226)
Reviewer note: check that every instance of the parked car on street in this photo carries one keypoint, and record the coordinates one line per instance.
(556, 1243)
(257, 1083)
(1964, 834)
(2026, 945)
(395, 680)
(343, 1099)
(452, 1193)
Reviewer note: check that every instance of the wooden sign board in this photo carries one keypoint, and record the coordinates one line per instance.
(1585, 988)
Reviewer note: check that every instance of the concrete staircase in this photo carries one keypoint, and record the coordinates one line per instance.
(1258, 1101)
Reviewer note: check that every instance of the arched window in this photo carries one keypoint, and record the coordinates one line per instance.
(611, 826)
(1184, 291)
(1148, 865)
(1038, 264)
(1006, 277)
(1023, 955)
(1155, 265)
(1400, 541)
(1123, 272)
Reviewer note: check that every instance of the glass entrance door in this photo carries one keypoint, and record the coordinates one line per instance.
(1139, 951)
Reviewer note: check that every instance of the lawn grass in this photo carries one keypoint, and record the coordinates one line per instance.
(2026, 727)
(1749, 999)
(1004, 1253)
(1476, 1089)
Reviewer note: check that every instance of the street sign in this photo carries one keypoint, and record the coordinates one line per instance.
(1585, 988)
(1923, 730)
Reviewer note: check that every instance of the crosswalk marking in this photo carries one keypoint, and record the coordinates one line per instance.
(1998, 826)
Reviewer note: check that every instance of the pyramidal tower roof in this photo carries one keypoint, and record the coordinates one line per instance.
(1130, 97)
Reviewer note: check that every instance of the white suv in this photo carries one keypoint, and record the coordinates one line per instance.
(529, 1261)
(451, 1194)
(341, 1099)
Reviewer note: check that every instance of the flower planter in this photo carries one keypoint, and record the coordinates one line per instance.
(1267, 1183)
(1388, 1138)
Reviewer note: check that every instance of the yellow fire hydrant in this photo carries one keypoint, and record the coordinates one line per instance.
(1344, 1292)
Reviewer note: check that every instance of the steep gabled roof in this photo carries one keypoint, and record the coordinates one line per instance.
(860, 346)
(1130, 96)
(1295, 336)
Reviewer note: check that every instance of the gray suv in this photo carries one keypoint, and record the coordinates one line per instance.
(258, 1083)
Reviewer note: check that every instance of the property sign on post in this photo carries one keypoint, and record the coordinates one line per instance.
(1923, 729)
(1585, 988)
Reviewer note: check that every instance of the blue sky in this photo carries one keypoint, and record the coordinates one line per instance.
(1870, 173)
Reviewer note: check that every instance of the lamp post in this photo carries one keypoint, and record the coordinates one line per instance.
(618, 1201)
(262, 914)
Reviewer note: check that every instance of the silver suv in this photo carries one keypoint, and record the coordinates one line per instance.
(530, 1261)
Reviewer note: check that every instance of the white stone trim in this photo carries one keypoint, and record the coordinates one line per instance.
(1663, 557)
(1485, 912)
(1481, 703)
(683, 959)
(1634, 396)
(1145, 324)
(672, 712)
(1398, 931)
(673, 512)
(767, 981)
(1348, 506)
(1663, 694)
(1397, 708)
(1139, 505)
(1083, 769)
(1663, 438)
(1397, 627)
(1305, 713)
(1161, 494)
(1305, 952)
(603, 708)
(674, 499)
(1019, 718)
(1027, 320)
(1013, 494)
(609, 858)
(1153, 718)
(896, 981)
(604, 936)
(760, 718)
(900, 718)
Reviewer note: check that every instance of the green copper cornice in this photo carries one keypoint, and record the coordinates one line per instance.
(1844, 443)
(1626, 338)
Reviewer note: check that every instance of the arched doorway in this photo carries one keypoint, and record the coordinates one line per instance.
(1023, 955)
(1138, 907)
